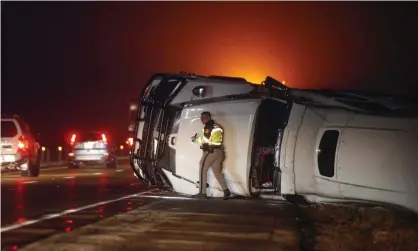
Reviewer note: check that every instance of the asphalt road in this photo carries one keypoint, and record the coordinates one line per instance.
(103, 209)
(57, 191)
(180, 223)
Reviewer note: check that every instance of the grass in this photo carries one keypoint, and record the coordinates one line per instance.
(349, 228)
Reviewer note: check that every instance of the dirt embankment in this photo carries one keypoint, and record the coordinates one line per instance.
(345, 228)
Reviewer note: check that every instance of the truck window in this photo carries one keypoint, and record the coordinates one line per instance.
(326, 154)
(8, 129)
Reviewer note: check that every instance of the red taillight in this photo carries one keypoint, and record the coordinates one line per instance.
(22, 144)
(73, 137)
(104, 138)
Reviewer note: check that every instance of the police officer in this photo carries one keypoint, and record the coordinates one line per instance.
(213, 154)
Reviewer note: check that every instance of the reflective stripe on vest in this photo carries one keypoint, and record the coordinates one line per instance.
(210, 140)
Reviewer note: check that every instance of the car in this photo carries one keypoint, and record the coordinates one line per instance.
(90, 148)
(19, 148)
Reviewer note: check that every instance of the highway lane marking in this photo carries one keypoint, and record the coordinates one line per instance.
(119, 170)
(51, 216)
(29, 182)
(97, 173)
(69, 177)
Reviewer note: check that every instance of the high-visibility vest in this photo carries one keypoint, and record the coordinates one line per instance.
(215, 139)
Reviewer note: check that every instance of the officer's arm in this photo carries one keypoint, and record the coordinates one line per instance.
(217, 136)
(199, 139)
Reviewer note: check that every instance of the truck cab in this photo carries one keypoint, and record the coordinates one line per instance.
(321, 145)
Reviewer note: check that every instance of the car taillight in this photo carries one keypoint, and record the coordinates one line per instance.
(73, 137)
(22, 144)
(104, 138)
(130, 141)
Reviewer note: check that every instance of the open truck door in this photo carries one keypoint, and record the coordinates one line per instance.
(270, 122)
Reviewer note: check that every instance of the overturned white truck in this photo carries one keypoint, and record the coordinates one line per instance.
(322, 145)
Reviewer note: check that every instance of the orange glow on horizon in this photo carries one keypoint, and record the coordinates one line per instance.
(290, 41)
(251, 74)
(246, 60)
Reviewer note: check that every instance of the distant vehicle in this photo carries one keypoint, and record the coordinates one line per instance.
(19, 148)
(90, 148)
(318, 145)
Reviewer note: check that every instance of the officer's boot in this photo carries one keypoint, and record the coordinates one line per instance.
(227, 194)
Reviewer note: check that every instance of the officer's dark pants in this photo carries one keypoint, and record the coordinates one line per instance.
(214, 160)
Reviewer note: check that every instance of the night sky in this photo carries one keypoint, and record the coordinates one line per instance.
(76, 65)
